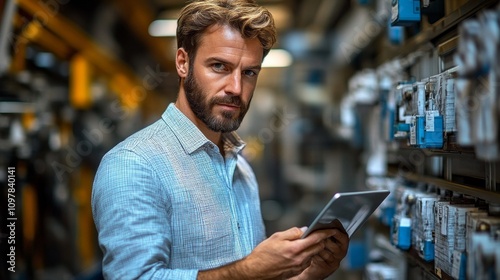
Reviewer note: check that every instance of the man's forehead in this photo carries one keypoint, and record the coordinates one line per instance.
(227, 40)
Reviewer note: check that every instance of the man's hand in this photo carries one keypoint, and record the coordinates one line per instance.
(281, 256)
(328, 260)
(285, 255)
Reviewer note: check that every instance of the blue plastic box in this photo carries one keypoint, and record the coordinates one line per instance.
(405, 12)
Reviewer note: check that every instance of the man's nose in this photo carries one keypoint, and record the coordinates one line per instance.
(234, 83)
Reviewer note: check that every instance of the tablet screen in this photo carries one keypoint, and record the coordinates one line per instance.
(350, 209)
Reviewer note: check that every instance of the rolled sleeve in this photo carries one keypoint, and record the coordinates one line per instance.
(131, 213)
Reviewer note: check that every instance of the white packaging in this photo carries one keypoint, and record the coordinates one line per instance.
(424, 223)
(456, 264)
(481, 259)
(460, 221)
(472, 220)
(451, 226)
(440, 246)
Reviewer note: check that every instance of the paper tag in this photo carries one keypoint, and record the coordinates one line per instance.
(413, 131)
(444, 221)
(429, 120)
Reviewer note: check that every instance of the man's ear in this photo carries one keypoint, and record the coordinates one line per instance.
(182, 62)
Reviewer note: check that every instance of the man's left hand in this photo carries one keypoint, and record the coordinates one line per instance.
(328, 260)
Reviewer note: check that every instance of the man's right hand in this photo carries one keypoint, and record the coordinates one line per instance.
(281, 256)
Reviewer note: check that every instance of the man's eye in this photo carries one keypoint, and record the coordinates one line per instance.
(218, 67)
(250, 73)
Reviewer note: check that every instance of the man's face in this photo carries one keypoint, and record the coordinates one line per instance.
(220, 82)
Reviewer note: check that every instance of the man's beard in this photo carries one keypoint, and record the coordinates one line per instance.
(202, 107)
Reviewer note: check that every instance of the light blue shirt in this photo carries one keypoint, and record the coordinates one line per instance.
(166, 204)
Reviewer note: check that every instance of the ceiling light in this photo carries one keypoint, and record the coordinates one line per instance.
(277, 58)
(163, 28)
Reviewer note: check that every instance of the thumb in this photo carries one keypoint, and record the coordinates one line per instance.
(293, 233)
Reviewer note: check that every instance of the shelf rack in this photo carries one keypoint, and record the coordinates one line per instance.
(439, 28)
(427, 267)
(489, 196)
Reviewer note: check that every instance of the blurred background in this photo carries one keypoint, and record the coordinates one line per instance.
(356, 95)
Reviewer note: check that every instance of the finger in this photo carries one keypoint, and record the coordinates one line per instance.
(331, 245)
(313, 243)
(341, 238)
(320, 235)
(289, 234)
(311, 250)
(296, 270)
(327, 256)
(332, 251)
(337, 249)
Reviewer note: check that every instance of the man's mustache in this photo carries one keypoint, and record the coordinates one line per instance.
(230, 100)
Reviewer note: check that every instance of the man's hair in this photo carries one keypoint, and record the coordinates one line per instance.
(252, 20)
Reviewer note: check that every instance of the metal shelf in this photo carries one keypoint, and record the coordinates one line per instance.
(427, 267)
(451, 149)
(489, 196)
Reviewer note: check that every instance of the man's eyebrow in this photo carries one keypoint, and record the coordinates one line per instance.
(224, 61)
(218, 59)
(255, 67)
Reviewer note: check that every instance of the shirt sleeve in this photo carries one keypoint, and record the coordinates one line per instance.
(131, 215)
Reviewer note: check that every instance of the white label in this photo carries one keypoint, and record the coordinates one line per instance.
(429, 119)
(395, 10)
(413, 131)
(405, 222)
(444, 221)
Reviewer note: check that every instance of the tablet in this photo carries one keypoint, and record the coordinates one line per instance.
(350, 209)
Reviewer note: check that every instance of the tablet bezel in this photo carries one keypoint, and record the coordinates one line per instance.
(345, 206)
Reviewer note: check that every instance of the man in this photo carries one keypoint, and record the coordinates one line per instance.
(176, 200)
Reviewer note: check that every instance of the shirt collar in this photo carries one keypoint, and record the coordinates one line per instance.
(232, 142)
(191, 138)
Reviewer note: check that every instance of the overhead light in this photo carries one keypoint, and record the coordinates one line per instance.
(163, 28)
(277, 58)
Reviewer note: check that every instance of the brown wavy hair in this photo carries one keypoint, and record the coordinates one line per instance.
(252, 20)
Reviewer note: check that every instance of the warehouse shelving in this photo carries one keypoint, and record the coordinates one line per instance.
(452, 170)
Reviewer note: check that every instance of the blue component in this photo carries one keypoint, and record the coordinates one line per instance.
(405, 12)
(434, 139)
(463, 265)
(387, 215)
(356, 255)
(404, 237)
(403, 127)
(420, 132)
(428, 252)
(395, 34)
(429, 139)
